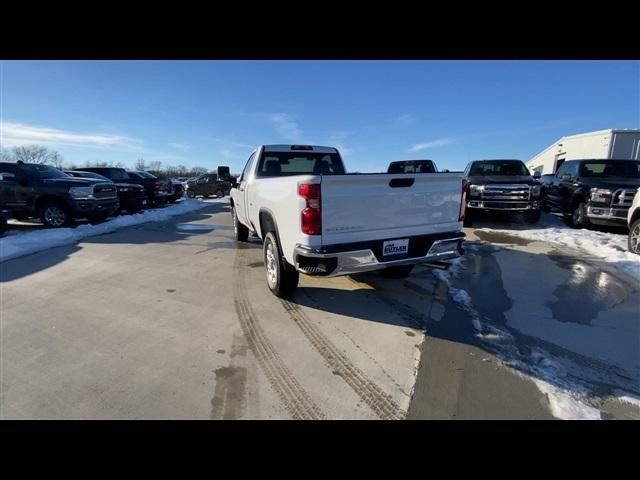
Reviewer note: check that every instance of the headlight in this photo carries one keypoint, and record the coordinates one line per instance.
(601, 195)
(535, 191)
(124, 189)
(81, 192)
(476, 190)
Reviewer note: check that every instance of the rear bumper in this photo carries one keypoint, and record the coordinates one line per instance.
(339, 261)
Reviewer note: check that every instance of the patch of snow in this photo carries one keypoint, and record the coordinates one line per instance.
(565, 406)
(19, 244)
(627, 397)
(610, 247)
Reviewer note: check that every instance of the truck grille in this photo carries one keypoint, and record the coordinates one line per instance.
(506, 192)
(622, 198)
(104, 190)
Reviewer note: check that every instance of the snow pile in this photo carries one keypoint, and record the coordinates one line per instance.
(17, 244)
(610, 247)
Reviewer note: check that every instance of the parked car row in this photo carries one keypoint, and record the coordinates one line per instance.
(58, 197)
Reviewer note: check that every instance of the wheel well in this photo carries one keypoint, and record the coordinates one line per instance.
(50, 198)
(267, 224)
(635, 215)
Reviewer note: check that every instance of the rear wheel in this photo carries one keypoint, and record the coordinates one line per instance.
(401, 271)
(219, 193)
(578, 218)
(55, 215)
(190, 193)
(241, 232)
(282, 278)
(634, 237)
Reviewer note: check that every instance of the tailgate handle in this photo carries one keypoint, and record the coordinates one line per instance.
(401, 182)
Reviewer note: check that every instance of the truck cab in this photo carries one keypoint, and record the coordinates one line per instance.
(501, 186)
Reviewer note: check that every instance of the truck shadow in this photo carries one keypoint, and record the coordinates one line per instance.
(175, 229)
(557, 319)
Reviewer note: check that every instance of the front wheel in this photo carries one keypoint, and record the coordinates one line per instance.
(219, 193)
(240, 231)
(401, 271)
(282, 278)
(191, 194)
(634, 237)
(468, 220)
(578, 218)
(54, 215)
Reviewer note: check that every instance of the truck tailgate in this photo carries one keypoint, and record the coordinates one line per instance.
(365, 207)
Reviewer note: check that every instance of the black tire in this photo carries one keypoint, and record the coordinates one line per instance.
(190, 193)
(55, 215)
(578, 218)
(240, 231)
(468, 219)
(219, 193)
(282, 278)
(532, 217)
(544, 206)
(401, 271)
(3, 225)
(634, 237)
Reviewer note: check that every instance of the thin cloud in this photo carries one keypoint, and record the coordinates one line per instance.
(406, 119)
(286, 126)
(180, 146)
(17, 134)
(440, 142)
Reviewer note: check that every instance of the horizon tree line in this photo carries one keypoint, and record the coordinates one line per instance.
(46, 156)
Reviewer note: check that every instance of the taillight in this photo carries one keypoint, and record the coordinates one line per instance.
(312, 214)
(463, 199)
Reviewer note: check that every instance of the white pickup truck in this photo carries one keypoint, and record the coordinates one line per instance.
(315, 218)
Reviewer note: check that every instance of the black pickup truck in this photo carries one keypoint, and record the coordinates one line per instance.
(208, 185)
(30, 190)
(587, 192)
(501, 186)
(131, 195)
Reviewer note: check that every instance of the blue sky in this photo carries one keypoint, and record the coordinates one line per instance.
(210, 113)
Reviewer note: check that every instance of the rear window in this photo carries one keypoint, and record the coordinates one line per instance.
(280, 164)
(412, 166)
(499, 167)
(615, 168)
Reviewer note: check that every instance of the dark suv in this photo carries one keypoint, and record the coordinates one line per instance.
(158, 189)
(131, 195)
(501, 186)
(208, 185)
(33, 190)
(595, 191)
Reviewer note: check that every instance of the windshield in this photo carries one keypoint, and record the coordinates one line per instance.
(614, 168)
(499, 167)
(412, 166)
(279, 164)
(145, 175)
(88, 175)
(43, 171)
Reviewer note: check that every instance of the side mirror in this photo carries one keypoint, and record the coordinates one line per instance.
(566, 177)
(536, 175)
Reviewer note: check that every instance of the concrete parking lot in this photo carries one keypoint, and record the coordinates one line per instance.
(173, 320)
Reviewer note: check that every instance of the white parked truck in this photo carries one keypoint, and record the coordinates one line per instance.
(315, 218)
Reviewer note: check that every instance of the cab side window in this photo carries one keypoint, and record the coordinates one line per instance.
(247, 168)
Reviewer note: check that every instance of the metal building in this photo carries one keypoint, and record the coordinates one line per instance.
(611, 143)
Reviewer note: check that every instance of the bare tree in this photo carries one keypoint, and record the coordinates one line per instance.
(155, 166)
(141, 164)
(35, 154)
